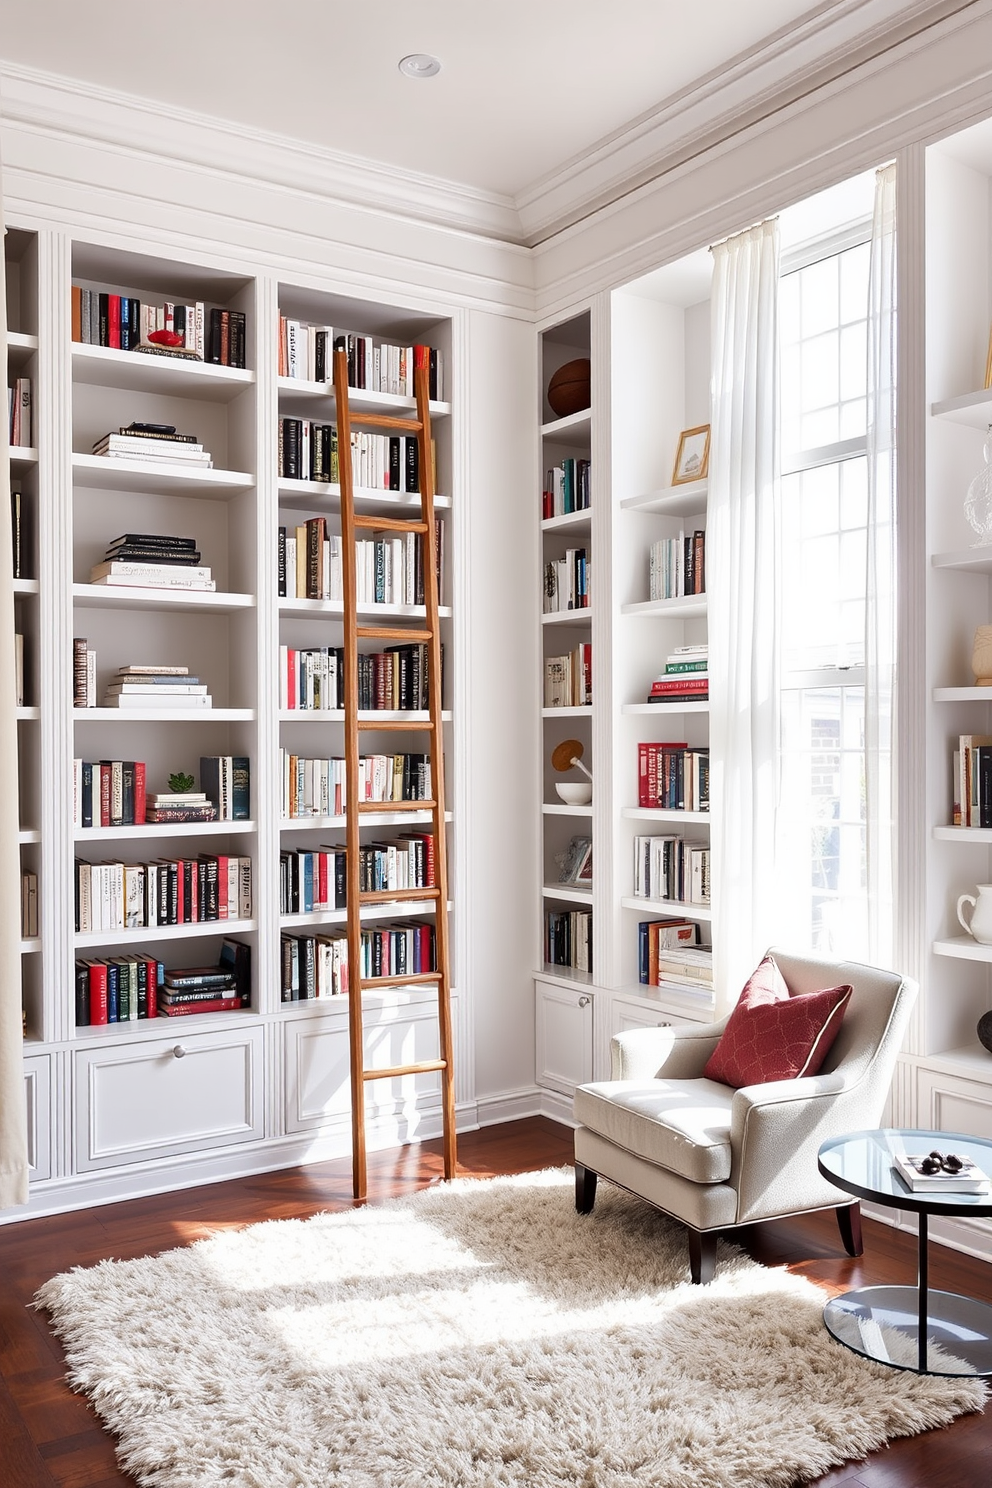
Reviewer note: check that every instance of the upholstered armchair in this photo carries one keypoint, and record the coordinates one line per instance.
(716, 1157)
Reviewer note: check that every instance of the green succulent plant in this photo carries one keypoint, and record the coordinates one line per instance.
(181, 783)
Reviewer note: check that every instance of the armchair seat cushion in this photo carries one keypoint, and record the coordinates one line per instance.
(680, 1125)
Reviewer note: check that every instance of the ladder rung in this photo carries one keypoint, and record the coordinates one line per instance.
(392, 633)
(369, 984)
(390, 524)
(374, 806)
(396, 724)
(384, 421)
(386, 896)
(425, 1067)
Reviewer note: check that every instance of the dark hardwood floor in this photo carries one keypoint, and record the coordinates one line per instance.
(49, 1436)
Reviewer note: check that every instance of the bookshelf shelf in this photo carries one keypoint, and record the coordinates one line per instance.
(585, 711)
(320, 495)
(577, 521)
(163, 715)
(298, 394)
(104, 366)
(563, 810)
(31, 947)
(962, 694)
(387, 910)
(22, 456)
(28, 834)
(334, 609)
(568, 617)
(574, 429)
(686, 607)
(653, 710)
(651, 813)
(675, 908)
(963, 834)
(963, 947)
(125, 597)
(972, 409)
(568, 893)
(154, 934)
(566, 976)
(972, 560)
(670, 501)
(385, 716)
(157, 479)
(175, 1030)
(20, 341)
(26, 586)
(27, 715)
(151, 831)
(337, 823)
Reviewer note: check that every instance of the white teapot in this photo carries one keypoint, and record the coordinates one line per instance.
(979, 922)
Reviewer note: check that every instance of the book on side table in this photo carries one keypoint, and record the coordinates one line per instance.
(913, 1170)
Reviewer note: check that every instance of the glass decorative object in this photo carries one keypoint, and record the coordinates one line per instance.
(978, 501)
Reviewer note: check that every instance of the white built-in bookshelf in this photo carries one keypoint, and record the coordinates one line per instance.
(121, 1106)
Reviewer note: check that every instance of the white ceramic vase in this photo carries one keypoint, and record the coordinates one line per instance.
(979, 922)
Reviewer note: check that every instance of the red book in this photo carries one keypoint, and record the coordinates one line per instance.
(223, 905)
(686, 683)
(98, 991)
(321, 894)
(211, 1005)
(180, 892)
(291, 680)
(106, 775)
(152, 985)
(114, 320)
(139, 793)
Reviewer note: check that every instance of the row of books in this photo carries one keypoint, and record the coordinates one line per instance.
(308, 450)
(389, 566)
(315, 878)
(312, 678)
(29, 904)
(127, 323)
(659, 946)
(112, 896)
(317, 787)
(567, 488)
(19, 434)
(568, 938)
(971, 784)
(568, 678)
(112, 793)
(122, 989)
(668, 867)
(677, 566)
(566, 582)
(305, 352)
(315, 966)
(108, 793)
(674, 777)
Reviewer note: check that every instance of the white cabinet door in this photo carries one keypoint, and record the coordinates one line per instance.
(564, 1036)
(953, 1104)
(318, 1067)
(38, 1093)
(154, 1099)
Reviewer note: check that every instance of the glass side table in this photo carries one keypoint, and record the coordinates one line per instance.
(910, 1327)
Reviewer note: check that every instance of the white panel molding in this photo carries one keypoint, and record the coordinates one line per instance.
(792, 62)
(65, 107)
(927, 86)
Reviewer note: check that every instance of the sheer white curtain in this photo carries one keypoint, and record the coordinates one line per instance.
(13, 1115)
(880, 594)
(742, 583)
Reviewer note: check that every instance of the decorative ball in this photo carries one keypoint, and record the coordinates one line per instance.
(568, 390)
(985, 1031)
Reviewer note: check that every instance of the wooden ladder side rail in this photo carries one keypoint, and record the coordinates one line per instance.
(430, 636)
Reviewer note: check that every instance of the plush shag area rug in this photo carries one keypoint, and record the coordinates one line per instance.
(479, 1335)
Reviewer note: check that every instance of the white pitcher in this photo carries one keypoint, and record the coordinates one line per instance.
(979, 923)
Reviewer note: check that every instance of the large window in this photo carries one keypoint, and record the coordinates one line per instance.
(823, 308)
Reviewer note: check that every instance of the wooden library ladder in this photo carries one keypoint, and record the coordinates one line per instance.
(354, 724)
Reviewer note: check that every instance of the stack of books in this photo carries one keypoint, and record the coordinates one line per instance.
(147, 685)
(686, 677)
(149, 560)
(969, 1178)
(158, 442)
(180, 806)
(691, 967)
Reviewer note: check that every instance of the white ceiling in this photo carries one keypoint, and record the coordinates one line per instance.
(525, 85)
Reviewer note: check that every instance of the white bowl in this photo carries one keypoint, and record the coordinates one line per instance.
(574, 792)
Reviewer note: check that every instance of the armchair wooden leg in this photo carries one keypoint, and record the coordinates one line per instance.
(585, 1189)
(849, 1224)
(702, 1256)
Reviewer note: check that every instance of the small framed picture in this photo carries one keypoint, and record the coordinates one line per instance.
(693, 457)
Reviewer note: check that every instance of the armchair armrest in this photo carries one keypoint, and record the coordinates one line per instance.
(663, 1053)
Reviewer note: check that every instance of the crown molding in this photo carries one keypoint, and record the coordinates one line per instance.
(830, 41)
(66, 108)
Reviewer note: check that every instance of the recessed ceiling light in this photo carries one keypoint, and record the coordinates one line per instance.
(420, 65)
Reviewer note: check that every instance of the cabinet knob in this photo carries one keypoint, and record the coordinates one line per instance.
(584, 1001)
(179, 1052)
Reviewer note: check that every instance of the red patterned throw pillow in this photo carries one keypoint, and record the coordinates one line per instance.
(772, 1036)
